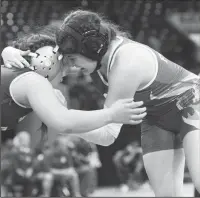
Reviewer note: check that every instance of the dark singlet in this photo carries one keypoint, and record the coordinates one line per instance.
(11, 113)
(172, 89)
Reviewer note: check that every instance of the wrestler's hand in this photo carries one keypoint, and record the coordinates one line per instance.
(13, 57)
(126, 111)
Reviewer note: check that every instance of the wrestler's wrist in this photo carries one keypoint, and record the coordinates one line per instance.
(109, 115)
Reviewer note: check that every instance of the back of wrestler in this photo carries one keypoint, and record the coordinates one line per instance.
(11, 112)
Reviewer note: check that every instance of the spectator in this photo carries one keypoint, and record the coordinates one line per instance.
(61, 166)
(6, 166)
(42, 173)
(128, 163)
(20, 163)
(86, 161)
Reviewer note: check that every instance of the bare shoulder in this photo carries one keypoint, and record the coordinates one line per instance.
(135, 57)
(136, 53)
(30, 77)
(23, 84)
(30, 80)
(134, 61)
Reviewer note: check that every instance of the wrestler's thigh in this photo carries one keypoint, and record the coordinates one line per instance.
(163, 160)
(190, 132)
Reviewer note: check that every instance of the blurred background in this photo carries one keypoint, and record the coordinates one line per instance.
(74, 167)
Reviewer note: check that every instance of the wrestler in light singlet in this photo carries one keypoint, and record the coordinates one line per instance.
(167, 96)
(123, 68)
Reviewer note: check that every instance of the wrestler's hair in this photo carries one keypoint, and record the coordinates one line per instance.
(90, 20)
(84, 22)
(33, 42)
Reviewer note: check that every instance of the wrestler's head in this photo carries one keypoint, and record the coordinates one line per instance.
(44, 60)
(84, 38)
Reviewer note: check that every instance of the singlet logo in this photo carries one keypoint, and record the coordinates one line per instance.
(160, 96)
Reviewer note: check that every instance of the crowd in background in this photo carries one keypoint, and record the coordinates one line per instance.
(147, 21)
(68, 167)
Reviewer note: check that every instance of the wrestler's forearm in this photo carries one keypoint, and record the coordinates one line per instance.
(103, 136)
(45, 104)
(77, 121)
(70, 121)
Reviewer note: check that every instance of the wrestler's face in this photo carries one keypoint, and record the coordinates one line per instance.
(85, 64)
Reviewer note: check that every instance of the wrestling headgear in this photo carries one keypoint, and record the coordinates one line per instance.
(91, 43)
(45, 62)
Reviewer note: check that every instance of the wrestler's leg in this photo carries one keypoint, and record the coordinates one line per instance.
(190, 132)
(164, 162)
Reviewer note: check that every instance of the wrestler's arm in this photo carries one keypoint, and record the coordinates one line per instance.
(35, 91)
(126, 75)
(123, 82)
(39, 94)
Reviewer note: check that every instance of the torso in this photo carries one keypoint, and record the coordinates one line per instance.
(169, 82)
(11, 113)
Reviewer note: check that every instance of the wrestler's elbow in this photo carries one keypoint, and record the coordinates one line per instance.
(107, 141)
(59, 124)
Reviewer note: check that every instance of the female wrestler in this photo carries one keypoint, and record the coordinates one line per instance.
(171, 129)
(26, 90)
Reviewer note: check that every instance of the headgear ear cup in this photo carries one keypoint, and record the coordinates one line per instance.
(96, 43)
(46, 65)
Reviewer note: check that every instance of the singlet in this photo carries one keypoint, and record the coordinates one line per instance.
(163, 93)
(11, 113)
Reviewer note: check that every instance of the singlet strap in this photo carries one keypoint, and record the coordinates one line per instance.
(103, 79)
